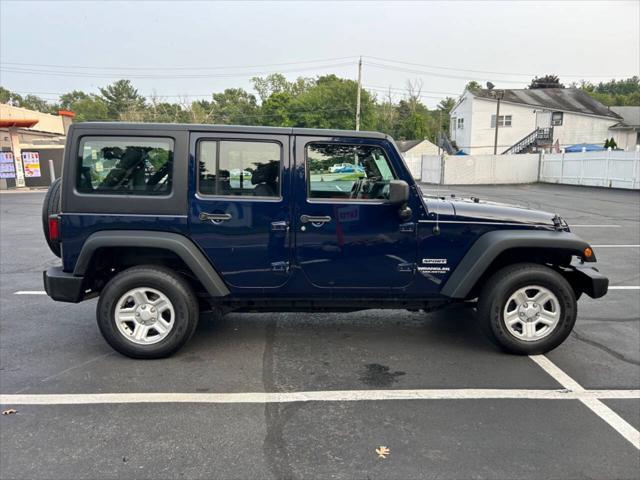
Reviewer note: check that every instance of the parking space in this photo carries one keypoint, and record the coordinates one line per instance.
(54, 348)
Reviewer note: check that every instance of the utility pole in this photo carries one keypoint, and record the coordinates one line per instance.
(499, 95)
(358, 95)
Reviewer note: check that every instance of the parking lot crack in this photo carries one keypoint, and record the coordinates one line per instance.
(604, 348)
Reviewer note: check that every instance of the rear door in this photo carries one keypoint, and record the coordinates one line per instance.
(348, 236)
(239, 206)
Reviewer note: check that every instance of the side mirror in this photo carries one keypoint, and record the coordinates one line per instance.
(398, 192)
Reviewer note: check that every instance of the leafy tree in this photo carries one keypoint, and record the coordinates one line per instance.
(121, 97)
(88, 108)
(68, 99)
(615, 92)
(473, 86)
(10, 98)
(278, 83)
(547, 81)
(233, 106)
(331, 103)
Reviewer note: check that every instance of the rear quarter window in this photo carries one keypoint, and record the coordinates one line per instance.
(125, 165)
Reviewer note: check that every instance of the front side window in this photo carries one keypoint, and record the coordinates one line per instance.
(239, 168)
(460, 123)
(125, 165)
(348, 172)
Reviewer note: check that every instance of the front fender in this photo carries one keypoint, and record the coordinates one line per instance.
(490, 245)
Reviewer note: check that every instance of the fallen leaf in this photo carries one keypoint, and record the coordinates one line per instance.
(10, 411)
(383, 452)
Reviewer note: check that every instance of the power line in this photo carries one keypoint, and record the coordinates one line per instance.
(439, 67)
(431, 74)
(160, 76)
(178, 68)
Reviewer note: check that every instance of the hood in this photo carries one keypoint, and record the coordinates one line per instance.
(475, 210)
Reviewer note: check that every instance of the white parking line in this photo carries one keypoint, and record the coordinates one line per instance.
(619, 424)
(595, 226)
(625, 287)
(615, 246)
(315, 396)
(30, 292)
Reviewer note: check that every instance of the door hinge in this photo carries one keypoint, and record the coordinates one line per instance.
(407, 227)
(407, 267)
(280, 267)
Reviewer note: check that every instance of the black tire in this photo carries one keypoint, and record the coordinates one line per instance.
(503, 284)
(169, 283)
(51, 206)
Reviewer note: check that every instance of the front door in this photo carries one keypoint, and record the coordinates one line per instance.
(347, 235)
(239, 206)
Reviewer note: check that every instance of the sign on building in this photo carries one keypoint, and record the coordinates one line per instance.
(31, 164)
(7, 167)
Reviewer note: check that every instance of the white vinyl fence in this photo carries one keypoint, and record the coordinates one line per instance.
(612, 169)
(601, 169)
(480, 169)
(414, 164)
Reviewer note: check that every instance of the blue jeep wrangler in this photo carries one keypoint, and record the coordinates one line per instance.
(164, 221)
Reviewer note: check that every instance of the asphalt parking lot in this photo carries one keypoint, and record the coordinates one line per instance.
(544, 427)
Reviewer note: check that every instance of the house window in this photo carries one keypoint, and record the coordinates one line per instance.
(556, 119)
(460, 123)
(503, 121)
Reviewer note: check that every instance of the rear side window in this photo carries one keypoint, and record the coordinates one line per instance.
(239, 168)
(125, 165)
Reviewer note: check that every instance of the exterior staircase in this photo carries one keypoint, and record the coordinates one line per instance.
(536, 139)
(446, 144)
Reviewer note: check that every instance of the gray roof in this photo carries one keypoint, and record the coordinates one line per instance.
(194, 127)
(630, 115)
(405, 145)
(562, 99)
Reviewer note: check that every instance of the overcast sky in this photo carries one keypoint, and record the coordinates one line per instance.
(194, 48)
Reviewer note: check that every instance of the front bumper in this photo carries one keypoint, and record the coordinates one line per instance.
(589, 280)
(62, 286)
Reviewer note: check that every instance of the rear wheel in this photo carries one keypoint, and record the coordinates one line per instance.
(527, 308)
(147, 312)
(51, 206)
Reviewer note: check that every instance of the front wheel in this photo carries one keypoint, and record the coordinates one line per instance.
(147, 312)
(527, 308)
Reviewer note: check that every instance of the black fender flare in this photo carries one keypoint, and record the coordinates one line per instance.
(178, 244)
(487, 248)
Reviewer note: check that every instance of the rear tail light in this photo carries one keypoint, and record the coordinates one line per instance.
(54, 228)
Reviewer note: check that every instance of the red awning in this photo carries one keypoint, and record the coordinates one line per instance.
(16, 122)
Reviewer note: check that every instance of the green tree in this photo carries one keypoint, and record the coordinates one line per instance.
(331, 103)
(10, 98)
(234, 106)
(473, 86)
(547, 81)
(121, 97)
(89, 108)
(615, 92)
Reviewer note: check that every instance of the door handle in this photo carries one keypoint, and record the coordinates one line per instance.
(315, 218)
(214, 217)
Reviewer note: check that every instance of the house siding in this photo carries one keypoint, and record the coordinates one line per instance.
(478, 135)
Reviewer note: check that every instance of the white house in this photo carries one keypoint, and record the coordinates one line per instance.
(412, 151)
(627, 133)
(529, 119)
